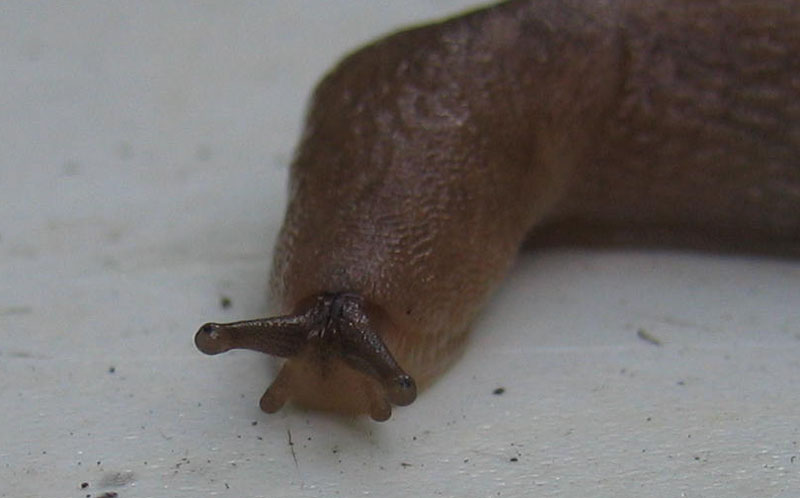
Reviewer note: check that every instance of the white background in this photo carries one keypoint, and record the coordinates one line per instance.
(143, 166)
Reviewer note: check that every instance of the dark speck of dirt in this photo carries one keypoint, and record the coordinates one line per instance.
(499, 391)
(513, 459)
(108, 494)
(84, 485)
(646, 336)
(225, 302)
(112, 369)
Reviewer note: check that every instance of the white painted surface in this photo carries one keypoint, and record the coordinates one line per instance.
(142, 171)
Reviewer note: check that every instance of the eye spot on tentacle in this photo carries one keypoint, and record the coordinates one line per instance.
(209, 340)
(402, 391)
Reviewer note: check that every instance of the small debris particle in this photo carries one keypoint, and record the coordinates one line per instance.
(499, 391)
(513, 459)
(84, 485)
(112, 369)
(404, 464)
(254, 423)
(646, 336)
(225, 302)
(681, 383)
(291, 446)
(108, 494)
(794, 457)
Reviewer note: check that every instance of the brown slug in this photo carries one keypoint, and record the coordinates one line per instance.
(430, 157)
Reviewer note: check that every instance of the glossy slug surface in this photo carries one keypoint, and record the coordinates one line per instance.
(429, 157)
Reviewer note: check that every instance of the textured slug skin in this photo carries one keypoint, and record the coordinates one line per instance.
(429, 157)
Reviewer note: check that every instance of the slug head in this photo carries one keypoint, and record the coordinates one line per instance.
(335, 359)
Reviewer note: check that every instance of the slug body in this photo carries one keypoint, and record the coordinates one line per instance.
(431, 156)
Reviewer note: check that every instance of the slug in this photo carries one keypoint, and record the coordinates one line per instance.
(430, 157)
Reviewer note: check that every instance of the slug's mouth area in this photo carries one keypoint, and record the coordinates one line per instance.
(332, 329)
